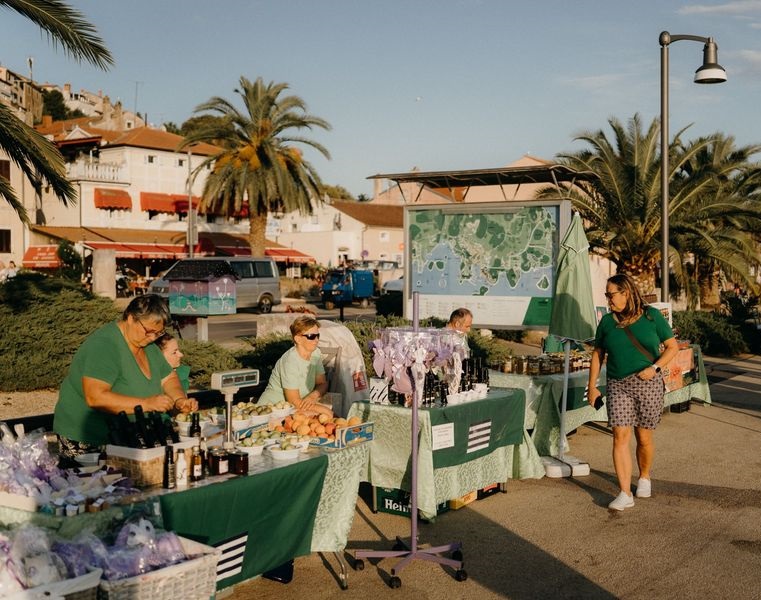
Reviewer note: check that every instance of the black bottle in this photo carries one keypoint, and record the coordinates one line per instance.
(143, 428)
(159, 428)
(169, 481)
(128, 432)
(195, 426)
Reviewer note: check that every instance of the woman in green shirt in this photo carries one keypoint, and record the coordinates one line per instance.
(631, 336)
(115, 369)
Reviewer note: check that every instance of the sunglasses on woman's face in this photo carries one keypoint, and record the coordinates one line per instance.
(311, 336)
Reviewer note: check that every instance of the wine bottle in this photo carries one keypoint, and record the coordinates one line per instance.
(159, 428)
(114, 434)
(145, 439)
(169, 481)
(128, 432)
(195, 426)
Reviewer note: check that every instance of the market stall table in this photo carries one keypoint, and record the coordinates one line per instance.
(447, 467)
(280, 511)
(544, 393)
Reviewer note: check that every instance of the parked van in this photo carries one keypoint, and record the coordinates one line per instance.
(257, 279)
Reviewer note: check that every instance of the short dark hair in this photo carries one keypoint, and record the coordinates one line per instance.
(162, 341)
(149, 306)
(458, 314)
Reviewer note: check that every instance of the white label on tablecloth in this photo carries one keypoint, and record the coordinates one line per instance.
(231, 560)
(442, 436)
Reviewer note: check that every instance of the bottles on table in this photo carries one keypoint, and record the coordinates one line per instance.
(169, 480)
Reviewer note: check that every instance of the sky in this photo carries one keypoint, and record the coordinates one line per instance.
(429, 84)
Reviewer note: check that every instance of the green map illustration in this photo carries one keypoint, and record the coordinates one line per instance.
(507, 253)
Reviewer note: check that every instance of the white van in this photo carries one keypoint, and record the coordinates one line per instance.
(257, 279)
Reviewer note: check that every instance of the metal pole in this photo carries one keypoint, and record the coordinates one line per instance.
(191, 213)
(664, 39)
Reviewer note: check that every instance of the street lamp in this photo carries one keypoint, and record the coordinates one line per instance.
(709, 72)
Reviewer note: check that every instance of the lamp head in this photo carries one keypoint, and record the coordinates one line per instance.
(710, 71)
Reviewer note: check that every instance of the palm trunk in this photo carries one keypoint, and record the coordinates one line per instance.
(257, 230)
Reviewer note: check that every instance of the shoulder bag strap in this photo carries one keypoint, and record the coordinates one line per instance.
(635, 342)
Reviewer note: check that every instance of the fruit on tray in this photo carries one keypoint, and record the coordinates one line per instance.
(321, 426)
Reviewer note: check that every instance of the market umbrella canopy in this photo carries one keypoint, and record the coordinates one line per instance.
(573, 312)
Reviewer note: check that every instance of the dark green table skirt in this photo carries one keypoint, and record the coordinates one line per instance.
(272, 513)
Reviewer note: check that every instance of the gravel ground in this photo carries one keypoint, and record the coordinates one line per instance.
(26, 404)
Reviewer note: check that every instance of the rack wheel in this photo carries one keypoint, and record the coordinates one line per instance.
(344, 584)
(457, 555)
(359, 565)
(395, 582)
(461, 575)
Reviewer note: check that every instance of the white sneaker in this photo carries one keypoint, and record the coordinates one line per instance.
(622, 501)
(644, 488)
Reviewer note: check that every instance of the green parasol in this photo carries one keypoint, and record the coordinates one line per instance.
(573, 314)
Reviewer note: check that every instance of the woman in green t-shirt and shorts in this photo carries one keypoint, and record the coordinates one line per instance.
(631, 337)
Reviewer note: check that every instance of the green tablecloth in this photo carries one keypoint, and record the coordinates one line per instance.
(389, 463)
(276, 508)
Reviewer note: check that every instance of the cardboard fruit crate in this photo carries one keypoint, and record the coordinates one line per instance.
(464, 500)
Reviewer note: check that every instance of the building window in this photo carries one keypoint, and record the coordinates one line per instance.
(180, 162)
(5, 241)
(294, 227)
(5, 169)
(384, 236)
(152, 159)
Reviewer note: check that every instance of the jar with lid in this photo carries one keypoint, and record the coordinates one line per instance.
(220, 462)
(238, 462)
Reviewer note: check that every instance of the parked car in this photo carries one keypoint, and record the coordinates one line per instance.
(257, 279)
(394, 286)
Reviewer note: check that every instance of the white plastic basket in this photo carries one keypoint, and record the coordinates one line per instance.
(194, 579)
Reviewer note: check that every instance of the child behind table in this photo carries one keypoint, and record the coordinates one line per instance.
(171, 350)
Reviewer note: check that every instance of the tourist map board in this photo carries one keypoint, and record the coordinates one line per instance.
(497, 259)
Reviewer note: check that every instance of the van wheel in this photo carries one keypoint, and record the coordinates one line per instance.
(265, 305)
(329, 305)
(364, 303)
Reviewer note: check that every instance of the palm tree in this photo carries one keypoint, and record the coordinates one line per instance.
(622, 206)
(258, 161)
(37, 157)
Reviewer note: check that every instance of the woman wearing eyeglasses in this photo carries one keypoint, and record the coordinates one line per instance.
(299, 376)
(638, 344)
(115, 369)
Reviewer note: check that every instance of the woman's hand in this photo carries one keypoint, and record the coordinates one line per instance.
(592, 395)
(186, 405)
(159, 402)
(647, 373)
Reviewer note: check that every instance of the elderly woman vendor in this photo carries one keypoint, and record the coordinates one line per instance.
(115, 369)
(299, 376)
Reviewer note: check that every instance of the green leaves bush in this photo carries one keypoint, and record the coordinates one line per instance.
(715, 333)
(44, 320)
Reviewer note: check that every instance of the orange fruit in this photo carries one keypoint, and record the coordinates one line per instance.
(354, 421)
(303, 430)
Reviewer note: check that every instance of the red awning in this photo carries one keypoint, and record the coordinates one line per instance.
(141, 250)
(110, 198)
(41, 257)
(288, 255)
(181, 202)
(157, 202)
(235, 250)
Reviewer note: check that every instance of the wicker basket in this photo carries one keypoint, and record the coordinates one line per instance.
(84, 587)
(194, 579)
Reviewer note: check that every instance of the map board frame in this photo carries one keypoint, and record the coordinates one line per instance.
(490, 310)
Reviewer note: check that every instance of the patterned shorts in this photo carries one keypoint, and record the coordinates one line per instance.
(634, 402)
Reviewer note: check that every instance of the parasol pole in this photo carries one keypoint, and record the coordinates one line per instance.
(564, 402)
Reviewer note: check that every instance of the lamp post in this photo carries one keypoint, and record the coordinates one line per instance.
(709, 72)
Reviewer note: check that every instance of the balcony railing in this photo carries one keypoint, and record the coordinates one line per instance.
(95, 171)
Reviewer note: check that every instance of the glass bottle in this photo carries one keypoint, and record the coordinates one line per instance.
(169, 481)
(195, 426)
(196, 465)
(181, 469)
(141, 428)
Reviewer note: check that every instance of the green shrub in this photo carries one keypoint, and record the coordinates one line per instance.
(44, 320)
(264, 353)
(204, 358)
(715, 333)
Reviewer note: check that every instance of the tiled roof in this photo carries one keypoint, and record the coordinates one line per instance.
(145, 137)
(372, 215)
